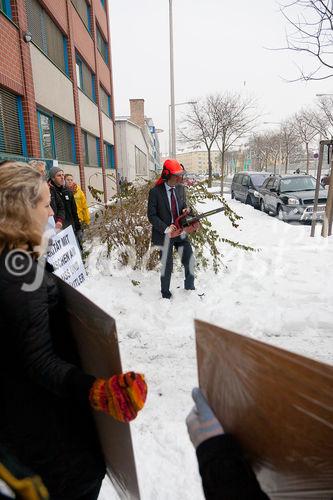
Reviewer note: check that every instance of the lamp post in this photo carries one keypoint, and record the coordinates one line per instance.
(172, 128)
(172, 88)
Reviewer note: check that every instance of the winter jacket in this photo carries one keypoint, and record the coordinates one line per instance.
(81, 205)
(225, 473)
(57, 205)
(71, 216)
(159, 213)
(45, 417)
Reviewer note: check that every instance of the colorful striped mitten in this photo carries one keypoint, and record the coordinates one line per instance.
(121, 396)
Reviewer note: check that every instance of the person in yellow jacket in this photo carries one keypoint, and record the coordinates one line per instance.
(80, 199)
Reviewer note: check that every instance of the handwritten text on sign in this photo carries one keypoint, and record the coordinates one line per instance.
(65, 257)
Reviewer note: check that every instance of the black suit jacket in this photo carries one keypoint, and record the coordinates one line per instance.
(159, 213)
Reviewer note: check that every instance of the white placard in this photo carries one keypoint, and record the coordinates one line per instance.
(65, 257)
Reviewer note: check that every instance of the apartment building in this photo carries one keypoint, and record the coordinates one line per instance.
(138, 148)
(196, 162)
(56, 92)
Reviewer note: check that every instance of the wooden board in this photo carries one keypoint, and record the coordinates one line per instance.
(278, 404)
(96, 336)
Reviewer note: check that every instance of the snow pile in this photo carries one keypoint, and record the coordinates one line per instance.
(280, 294)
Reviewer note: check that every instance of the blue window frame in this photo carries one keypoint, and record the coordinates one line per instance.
(46, 135)
(12, 130)
(91, 151)
(56, 138)
(102, 45)
(6, 8)
(22, 127)
(66, 56)
(105, 101)
(109, 160)
(47, 35)
(85, 79)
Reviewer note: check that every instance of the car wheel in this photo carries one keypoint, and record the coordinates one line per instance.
(248, 200)
(280, 213)
(262, 206)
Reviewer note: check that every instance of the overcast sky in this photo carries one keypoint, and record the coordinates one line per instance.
(218, 46)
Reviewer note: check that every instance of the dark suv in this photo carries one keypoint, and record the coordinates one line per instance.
(291, 197)
(245, 185)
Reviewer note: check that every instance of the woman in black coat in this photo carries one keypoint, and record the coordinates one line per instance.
(46, 399)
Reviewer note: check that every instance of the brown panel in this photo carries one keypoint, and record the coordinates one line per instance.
(96, 337)
(10, 56)
(278, 404)
(104, 73)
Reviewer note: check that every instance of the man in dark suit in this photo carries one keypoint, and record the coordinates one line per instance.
(167, 200)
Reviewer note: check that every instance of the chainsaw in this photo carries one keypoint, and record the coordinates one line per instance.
(189, 223)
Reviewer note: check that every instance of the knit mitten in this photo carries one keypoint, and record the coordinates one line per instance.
(121, 396)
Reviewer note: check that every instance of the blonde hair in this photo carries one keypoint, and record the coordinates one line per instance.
(20, 190)
(34, 163)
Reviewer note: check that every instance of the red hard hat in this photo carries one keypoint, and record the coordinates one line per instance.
(170, 167)
(173, 167)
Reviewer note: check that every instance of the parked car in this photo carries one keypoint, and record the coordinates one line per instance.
(291, 197)
(245, 185)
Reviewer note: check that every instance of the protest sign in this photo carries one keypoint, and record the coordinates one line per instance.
(279, 406)
(65, 257)
(96, 337)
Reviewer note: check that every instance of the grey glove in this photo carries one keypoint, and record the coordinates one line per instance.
(201, 421)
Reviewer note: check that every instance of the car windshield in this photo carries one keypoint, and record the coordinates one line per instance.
(305, 183)
(258, 179)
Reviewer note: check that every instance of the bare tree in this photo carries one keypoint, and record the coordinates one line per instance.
(236, 119)
(312, 33)
(200, 126)
(306, 131)
(259, 150)
(323, 117)
(289, 142)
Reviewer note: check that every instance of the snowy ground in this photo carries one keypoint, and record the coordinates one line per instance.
(280, 294)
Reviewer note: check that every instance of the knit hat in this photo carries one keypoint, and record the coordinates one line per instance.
(121, 396)
(53, 172)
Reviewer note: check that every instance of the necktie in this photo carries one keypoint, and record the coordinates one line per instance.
(174, 210)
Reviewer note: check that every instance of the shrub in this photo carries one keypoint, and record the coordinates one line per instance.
(123, 227)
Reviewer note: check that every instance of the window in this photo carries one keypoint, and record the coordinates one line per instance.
(270, 183)
(245, 180)
(140, 162)
(90, 146)
(102, 45)
(85, 79)
(83, 10)
(64, 140)
(6, 8)
(105, 101)
(56, 138)
(46, 136)
(109, 155)
(12, 135)
(47, 35)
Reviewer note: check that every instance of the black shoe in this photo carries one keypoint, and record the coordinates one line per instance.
(166, 295)
(190, 287)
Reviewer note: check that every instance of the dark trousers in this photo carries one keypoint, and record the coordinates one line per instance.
(183, 246)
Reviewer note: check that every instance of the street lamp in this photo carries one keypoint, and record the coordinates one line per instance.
(172, 141)
(172, 88)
